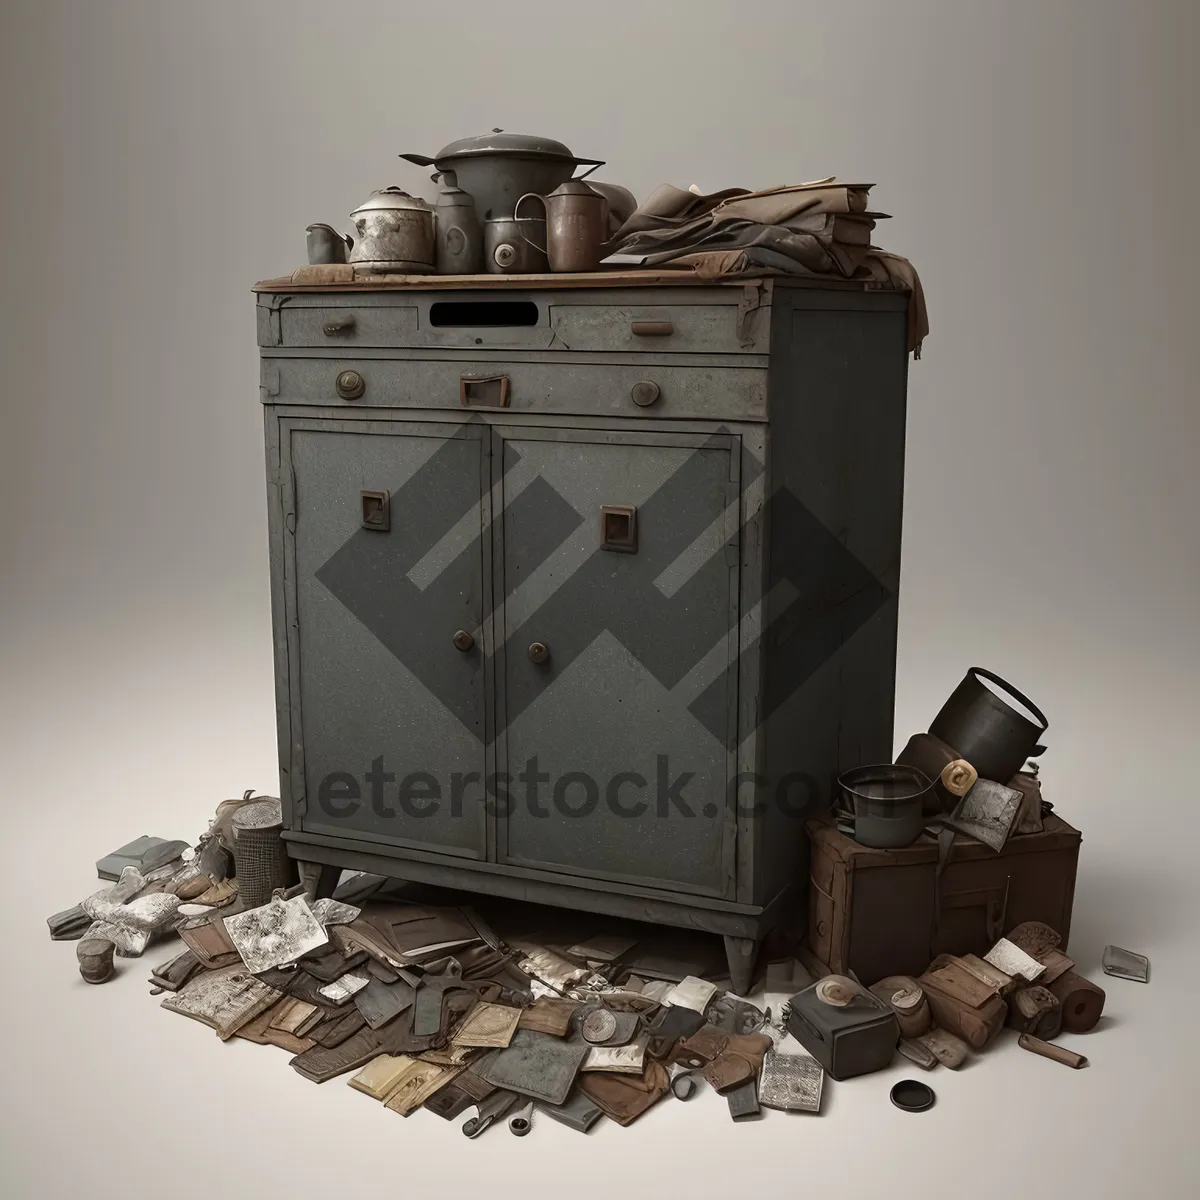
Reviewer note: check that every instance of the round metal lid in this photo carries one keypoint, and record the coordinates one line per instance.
(389, 199)
(913, 1096)
(262, 814)
(599, 1026)
(524, 145)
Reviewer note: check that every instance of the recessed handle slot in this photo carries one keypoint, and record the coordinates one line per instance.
(482, 314)
(618, 528)
(488, 391)
(376, 511)
(652, 328)
(336, 325)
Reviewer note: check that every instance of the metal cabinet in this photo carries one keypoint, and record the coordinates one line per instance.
(585, 594)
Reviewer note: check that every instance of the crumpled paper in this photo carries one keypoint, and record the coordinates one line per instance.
(121, 916)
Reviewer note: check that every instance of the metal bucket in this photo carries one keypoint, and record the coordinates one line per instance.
(987, 730)
(886, 803)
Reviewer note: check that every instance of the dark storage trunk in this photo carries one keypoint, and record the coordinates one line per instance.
(885, 912)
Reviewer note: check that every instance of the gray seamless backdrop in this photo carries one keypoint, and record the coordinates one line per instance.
(1040, 157)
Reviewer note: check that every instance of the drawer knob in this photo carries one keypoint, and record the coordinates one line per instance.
(350, 385)
(644, 393)
(538, 653)
(463, 641)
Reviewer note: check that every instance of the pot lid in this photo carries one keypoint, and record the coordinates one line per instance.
(389, 199)
(521, 145)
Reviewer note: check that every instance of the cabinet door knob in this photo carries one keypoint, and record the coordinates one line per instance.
(350, 385)
(644, 393)
(463, 641)
(538, 653)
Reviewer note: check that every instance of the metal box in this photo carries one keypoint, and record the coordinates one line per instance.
(583, 593)
(854, 1035)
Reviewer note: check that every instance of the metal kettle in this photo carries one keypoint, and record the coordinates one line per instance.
(576, 225)
(395, 233)
(459, 234)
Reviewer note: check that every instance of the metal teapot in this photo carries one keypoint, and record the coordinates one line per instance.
(395, 233)
(576, 226)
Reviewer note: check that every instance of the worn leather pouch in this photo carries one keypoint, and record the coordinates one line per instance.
(964, 1004)
(626, 1097)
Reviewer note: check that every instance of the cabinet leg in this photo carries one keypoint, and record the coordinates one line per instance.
(742, 953)
(319, 879)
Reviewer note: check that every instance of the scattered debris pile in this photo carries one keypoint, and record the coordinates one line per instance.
(428, 1006)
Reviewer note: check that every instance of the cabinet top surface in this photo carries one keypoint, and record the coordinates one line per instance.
(341, 278)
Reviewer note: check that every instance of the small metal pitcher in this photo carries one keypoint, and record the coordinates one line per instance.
(326, 245)
(576, 226)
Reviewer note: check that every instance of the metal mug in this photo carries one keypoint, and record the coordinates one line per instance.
(576, 226)
(507, 251)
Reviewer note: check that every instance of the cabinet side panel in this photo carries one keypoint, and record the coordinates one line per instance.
(275, 524)
(837, 417)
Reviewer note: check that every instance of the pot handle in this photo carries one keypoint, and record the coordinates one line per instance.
(592, 164)
(517, 209)
(420, 160)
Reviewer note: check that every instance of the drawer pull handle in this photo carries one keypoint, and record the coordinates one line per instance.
(491, 391)
(376, 511)
(644, 393)
(463, 641)
(350, 385)
(339, 325)
(538, 653)
(652, 328)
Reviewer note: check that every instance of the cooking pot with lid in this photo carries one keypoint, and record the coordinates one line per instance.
(498, 168)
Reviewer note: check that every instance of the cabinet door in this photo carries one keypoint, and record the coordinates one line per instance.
(388, 724)
(617, 554)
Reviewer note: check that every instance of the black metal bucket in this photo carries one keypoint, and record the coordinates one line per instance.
(886, 803)
(988, 731)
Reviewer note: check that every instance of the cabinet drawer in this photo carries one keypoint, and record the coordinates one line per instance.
(675, 328)
(692, 393)
(350, 325)
(702, 320)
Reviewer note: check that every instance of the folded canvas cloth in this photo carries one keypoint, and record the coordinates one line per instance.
(744, 233)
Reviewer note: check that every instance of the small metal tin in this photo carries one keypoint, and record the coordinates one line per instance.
(912, 1096)
(1125, 964)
